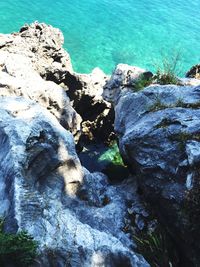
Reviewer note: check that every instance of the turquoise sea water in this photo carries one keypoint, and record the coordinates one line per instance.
(105, 32)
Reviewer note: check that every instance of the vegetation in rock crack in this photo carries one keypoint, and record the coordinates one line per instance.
(183, 137)
(142, 82)
(113, 154)
(157, 248)
(159, 105)
(166, 72)
(18, 250)
(116, 168)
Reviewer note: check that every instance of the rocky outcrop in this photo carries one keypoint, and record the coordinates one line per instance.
(18, 78)
(85, 92)
(194, 72)
(158, 130)
(42, 44)
(125, 77)
(37, 52)
(76, 216)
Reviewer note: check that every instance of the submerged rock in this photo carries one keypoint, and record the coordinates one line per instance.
(76, 216)
(159, 137)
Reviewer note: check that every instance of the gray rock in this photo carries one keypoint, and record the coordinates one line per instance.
(194, 72)
(124, 77)
(18, 78)
(158, 130)
(85, 92)
(42, 46)
(188, 81)
(41, 43)
(76, 216)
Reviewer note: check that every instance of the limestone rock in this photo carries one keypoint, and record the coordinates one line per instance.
(188, 81)
(194, 72)
(41, 43)
(158, 130)
(124, 77)
(85, 92)
(45, 191)
(42, 46)
(18, 78)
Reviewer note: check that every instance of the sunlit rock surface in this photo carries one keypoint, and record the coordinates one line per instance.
(124, 77)
(41, 43)
(18, 78)
(159, 137)
(77, 217)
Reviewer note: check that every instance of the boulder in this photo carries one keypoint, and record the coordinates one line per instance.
(85, 92)
(18, 78)
(76, 216)
(188, 81)
(40, 42)
(42, 46)
(194, 72)
(125, 77)
(159, 138)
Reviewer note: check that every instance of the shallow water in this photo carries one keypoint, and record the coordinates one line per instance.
(104, 33)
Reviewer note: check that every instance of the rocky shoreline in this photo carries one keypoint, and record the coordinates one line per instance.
(48, 113)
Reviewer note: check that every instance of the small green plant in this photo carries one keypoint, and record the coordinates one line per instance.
(113, 155)
(142, 83)
(18, 249)
(164, 123)
(115, 168)
(167, 71)
(183, 137)
(157, 248)
(158, 105)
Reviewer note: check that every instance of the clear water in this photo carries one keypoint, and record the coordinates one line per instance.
(105, 32)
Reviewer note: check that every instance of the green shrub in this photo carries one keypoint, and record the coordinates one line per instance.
(167, 71)
(115, 168)
(158, 105)
(18, 249)
(142, 83)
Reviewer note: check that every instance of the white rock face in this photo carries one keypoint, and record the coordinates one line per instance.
(75, 215)
(41, 43)
(41, 179)
(41, 46)
(159, 136)
(18, 78)
(124, 77)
